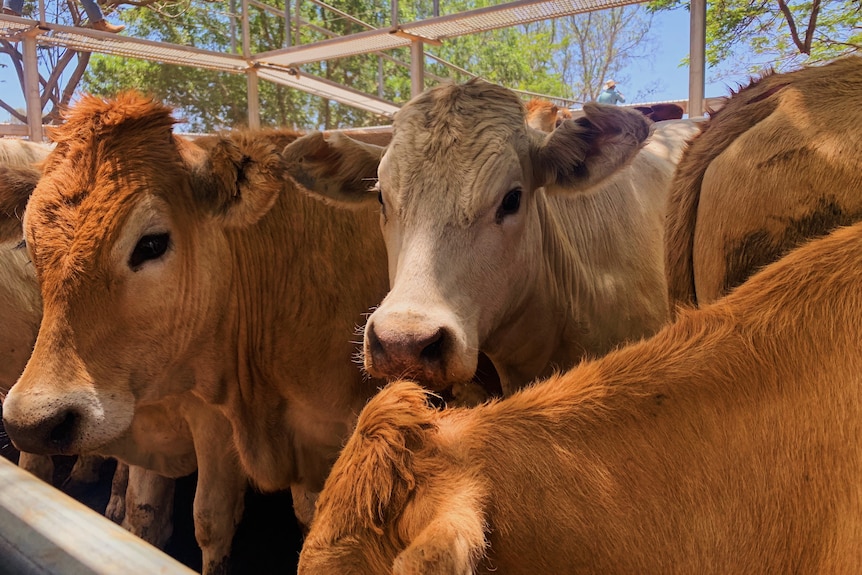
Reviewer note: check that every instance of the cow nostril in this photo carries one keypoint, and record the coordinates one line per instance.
(374, 345)
(433, 352)
(61, 434)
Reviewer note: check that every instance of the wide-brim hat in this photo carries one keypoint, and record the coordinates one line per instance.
(610, 84)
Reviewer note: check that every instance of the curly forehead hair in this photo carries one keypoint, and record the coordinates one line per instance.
(448, 113)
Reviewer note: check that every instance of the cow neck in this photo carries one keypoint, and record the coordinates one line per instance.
(294, 323)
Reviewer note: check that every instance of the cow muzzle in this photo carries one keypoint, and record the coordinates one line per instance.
(407, 344)
(48, 436)
(71, 423)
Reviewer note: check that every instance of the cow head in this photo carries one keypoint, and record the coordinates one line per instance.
(461, 188)
(127, 232)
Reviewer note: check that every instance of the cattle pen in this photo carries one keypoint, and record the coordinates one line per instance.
(43, 530)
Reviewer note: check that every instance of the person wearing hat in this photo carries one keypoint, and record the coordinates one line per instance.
(610, 95)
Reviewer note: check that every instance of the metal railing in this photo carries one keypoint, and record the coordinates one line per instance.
(43, 530)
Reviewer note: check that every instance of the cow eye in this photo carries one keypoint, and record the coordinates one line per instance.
(510, 205)
(149, 247)
(380, 200)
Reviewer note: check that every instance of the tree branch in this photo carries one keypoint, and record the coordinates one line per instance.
(13, 112)
(53, 80)
(6, 47)
(71, 85)
(812, 23)
(794, 33)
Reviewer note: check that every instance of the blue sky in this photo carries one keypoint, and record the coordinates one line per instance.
(671, 33)
(662, 72)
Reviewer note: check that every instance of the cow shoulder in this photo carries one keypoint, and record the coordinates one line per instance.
(338, 169)
(16, 185)
(237, 178)
(582, 152)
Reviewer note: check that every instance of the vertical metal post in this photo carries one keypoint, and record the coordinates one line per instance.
(42, 12)
(380, 77)
(394, 16)
(297, 39)
(232, 20)
(246, 31)
(31, 88)
(697, 59)
(287, 25)
(436, 8)
(253, 99)
(253, 95)
(417, 68)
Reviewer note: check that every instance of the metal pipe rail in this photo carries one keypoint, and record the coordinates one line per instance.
(44, 531)
(89, 40)
(436, 29)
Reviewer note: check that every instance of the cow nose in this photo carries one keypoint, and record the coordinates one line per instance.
(412, 354)
(48, 436)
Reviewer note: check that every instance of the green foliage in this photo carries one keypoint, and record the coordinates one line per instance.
(519, 58)
(206, 100)
(783, 33)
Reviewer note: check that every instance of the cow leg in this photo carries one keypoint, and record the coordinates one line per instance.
(84, 472)
(303, 506)
(42, 466)
(220, 494)
(149, 506)
(116, 509)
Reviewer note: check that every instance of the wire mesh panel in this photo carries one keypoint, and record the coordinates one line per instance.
(87, 40)
(436, 29)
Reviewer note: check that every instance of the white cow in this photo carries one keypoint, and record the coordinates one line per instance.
(536, 249)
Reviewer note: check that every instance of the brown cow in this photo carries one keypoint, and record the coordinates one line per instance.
(781, 162)
(194, 268)
(143, 504)
(730, 442)
(541, 114)
(535, 249)
(544, 115)
(20, 304)
(661, 112)
(563, 114)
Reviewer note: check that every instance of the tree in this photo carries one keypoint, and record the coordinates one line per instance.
(783, 34)
(597, 46)
(61, 69)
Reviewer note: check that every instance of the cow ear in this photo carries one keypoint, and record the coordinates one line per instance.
(238, 178)
(374, 476)
(581, 153)
(16, 185)
(339, 169)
